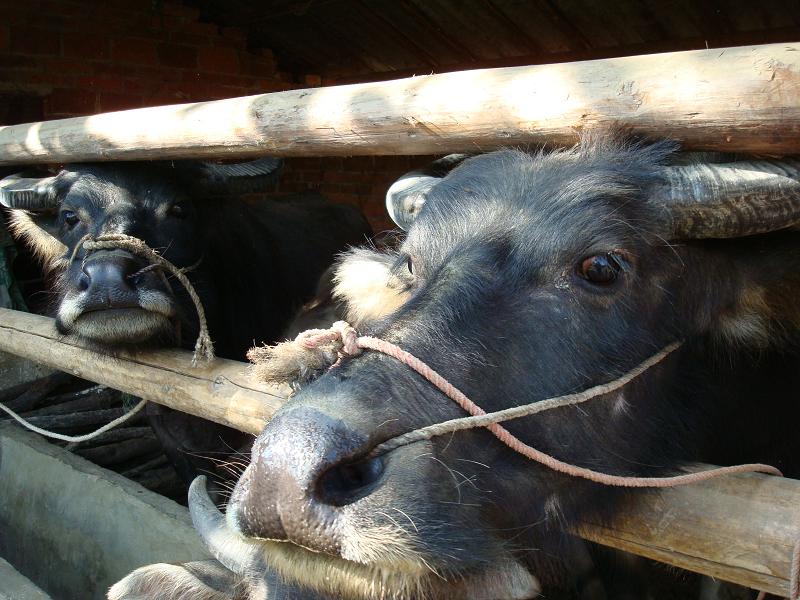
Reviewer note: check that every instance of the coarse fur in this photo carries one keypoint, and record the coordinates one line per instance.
(497, 301)
(369, 285)
(252, 264)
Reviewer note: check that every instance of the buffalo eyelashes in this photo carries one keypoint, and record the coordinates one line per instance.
(70, 217)
(602, 269)
(177, 211)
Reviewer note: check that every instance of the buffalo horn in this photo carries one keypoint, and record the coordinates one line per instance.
(227, 546)
(28, 193)
(242, 178)
(729, 200)
(406, 196)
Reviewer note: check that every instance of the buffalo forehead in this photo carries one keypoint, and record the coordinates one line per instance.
(105, 188)
(538, 208)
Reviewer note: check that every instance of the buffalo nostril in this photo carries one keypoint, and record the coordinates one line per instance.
(83, 282)
(347, 482)
(135, 280)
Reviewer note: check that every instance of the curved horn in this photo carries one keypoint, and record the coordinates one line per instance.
(406, 196)
(228, 547)
(729, 200)
(242, 178)
(28, 193)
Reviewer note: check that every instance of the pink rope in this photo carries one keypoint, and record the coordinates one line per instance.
(352, 345)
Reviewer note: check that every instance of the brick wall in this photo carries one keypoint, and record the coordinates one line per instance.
(86, 56)
(63, 58)
(359, 180)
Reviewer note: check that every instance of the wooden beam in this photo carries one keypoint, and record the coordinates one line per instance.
(737, 99)
(740, 528)
(219, 391)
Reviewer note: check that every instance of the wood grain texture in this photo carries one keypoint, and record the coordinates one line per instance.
(736, 99)
(219, 391)
(739, 528)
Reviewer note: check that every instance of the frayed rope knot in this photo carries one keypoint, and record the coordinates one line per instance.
(303, 359)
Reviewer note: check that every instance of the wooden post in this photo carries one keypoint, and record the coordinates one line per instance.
(739, 528)
(219, 391)
(734, 99)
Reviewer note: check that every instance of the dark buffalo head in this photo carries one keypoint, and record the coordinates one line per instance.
(110, 297)
(527, 276)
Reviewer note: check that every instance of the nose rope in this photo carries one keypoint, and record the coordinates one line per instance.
(284, 362)
(203, 349)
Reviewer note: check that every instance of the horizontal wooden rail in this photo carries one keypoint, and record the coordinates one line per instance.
(219, 391)
(741, 99)
(740, 528)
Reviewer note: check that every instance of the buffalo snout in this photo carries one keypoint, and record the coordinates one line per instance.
(306, 467)
(110, 280)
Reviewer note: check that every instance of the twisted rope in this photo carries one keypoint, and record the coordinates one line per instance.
(74, 438)
(286, 362)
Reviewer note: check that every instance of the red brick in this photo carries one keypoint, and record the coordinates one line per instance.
(191, 39)
(163, 99)
(5, 39)
(302, 164)
(137, 86)
(102, 83)
(357, 164)
(179, 10)
(374, 210)
(234, 33)
(208, 30)
(218, 59)
(337, 176)
(109, 102)
(73, 66)
(256, 65)
(92, 47)
(71, 101)
(177, 56)
(35, 41)
(134, 50)
(313, 80)
(10, 61)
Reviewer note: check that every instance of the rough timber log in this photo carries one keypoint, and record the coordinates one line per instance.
(735, 99)
(219, 391)
(739, 528)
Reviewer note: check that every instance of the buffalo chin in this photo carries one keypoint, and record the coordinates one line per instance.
(326, 574)
(121, 326)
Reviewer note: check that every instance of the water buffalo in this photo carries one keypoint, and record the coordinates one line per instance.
(253, 264)
(526, 276)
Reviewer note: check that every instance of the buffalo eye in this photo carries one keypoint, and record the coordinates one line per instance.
(70, 217)
(601, 269)
(177, 211)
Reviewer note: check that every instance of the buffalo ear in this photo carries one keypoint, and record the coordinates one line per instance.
(365, 284)
(406, 196)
